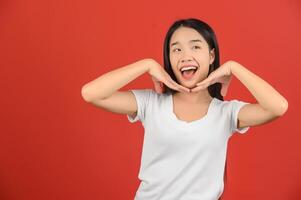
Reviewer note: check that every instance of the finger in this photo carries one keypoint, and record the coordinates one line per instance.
(158, 87)
(171, 81)
(156, 83)
(223, 92)
(163, 87)
(203, 82)
(210, 78)
(224, 89)
(171, 85)
(180, 87)
(227, 83)
(204, 85)
(198, 88)
(154, 79)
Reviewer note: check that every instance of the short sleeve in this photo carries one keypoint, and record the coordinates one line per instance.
(142, 97)
(236, 105)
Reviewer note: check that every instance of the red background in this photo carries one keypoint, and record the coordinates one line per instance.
(54, 145)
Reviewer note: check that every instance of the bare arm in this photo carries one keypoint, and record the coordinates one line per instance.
(271, 104)
(104, 91)
(108, 83)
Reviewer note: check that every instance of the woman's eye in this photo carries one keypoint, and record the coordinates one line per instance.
(197, 47)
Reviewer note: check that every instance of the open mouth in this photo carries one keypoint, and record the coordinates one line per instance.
(188, 72)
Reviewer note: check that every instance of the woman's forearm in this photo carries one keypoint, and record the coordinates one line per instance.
(108, 83)
(269, 98)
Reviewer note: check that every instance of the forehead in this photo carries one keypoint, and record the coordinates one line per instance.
(185, 34)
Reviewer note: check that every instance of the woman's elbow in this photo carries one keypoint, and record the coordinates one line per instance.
(84, 94)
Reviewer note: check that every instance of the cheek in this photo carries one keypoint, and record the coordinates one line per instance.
(172, 58)
(203, 67)
(203, 71)
(173, 62)
(204, 62)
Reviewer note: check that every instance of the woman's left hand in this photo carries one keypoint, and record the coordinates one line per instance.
(221, 75)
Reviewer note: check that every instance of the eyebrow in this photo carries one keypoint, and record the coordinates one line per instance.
(196, 40)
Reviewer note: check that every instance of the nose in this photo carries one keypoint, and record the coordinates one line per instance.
(185, 60)
(185, 57)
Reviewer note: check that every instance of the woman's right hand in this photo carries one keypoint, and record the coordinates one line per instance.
(160, 76)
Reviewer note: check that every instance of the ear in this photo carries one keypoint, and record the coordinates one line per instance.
(212, 55)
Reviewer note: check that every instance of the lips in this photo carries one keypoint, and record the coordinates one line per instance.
(189, 74)
(188, 65)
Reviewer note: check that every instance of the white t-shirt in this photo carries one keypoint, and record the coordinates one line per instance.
(183, 160)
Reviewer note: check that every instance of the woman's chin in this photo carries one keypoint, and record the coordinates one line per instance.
(189, 83)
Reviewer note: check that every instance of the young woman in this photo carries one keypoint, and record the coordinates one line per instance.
(187, 123)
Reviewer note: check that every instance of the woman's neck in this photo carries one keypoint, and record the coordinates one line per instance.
(199, 97)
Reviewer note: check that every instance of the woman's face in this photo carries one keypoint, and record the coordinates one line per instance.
(188, 47)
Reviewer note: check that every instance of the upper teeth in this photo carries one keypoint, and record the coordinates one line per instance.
(187, 68)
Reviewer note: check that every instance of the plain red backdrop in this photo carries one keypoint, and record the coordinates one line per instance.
(54, 145)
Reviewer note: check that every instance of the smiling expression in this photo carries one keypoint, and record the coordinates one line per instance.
(188, 47)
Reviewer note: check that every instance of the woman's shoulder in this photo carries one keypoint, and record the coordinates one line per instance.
(150, 94)
(230, 103)
(227, 101)
(150, 91)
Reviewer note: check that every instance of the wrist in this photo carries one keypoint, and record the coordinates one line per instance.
(147, 63)
(231, 66)
(150, 63)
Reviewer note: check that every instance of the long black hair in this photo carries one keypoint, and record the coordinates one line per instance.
(208, 34)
